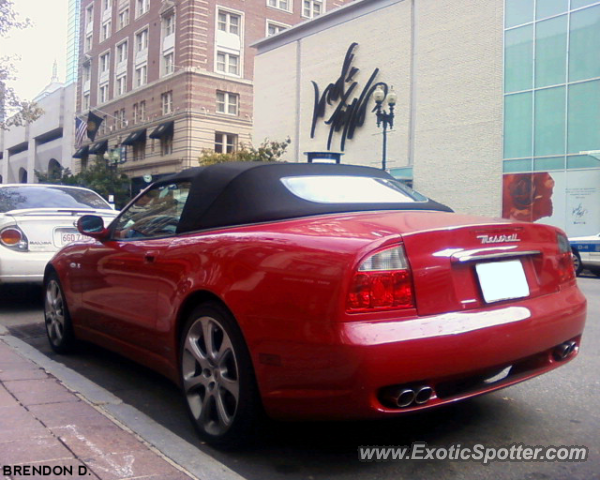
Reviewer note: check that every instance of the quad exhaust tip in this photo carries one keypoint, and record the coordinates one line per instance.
(565, 350)
(405, 397)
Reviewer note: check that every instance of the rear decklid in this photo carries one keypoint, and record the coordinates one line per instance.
(469, 262)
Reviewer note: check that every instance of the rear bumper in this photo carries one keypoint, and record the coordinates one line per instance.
(450, 353)
(23, 267)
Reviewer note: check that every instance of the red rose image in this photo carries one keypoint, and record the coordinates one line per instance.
(527, 196)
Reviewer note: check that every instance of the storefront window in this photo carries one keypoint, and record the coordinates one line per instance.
(552, 113)
(584, 44)
(549, 8)
(549, 122)
(518, 73)
(517, 125)
(584, 117)
(518, 12)
(551, 51)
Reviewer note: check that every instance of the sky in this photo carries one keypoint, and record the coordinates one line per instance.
(37, 46)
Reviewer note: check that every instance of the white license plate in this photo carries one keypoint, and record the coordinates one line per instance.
(502, 280)
(64, 237)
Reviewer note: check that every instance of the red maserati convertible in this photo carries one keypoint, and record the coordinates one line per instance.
(313, 291)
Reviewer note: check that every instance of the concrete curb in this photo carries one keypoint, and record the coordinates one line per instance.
(170, 446)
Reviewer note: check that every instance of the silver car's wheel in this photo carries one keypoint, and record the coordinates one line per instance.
(58, 322)
(217, 378)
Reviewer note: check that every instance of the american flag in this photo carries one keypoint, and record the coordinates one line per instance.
(80, 131)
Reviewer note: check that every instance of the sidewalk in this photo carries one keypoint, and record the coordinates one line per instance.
(49, 431)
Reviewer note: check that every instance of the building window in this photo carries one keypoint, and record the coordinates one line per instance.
(123, 19)
(166, 144)
(139, 150)
(106, 30)
(103, 126)
(121, 85)
(142, 111)
(88, 42)
(89, 16)
(103, 93)
(168, 24)
(141, 75)
(274, 28)
(312, 8)
(166, 100)
(229, 22)
(281, 4)
(141, 41)
(106, 4)
(228, 63)
(168, 63)
(225, 142)
(122, 121)
(141, 7)
(86, 72)
(104, 63)
(122, 52)
(228, 103)
(85, 104)
(139, 111)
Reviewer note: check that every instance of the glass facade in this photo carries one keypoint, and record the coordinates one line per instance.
(552, 113)
(73, 41)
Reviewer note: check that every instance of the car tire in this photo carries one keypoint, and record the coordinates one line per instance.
(217, 378)
(577, 263)
(59, 328)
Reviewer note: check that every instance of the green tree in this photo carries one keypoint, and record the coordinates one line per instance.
(13, 111)
(100, 177)
(268, 151)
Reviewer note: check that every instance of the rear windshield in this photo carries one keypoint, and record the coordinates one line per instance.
(43, 196)
(349, 189)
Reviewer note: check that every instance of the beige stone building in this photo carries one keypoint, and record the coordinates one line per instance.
(428, 51)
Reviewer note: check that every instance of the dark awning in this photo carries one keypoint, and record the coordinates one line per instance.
(99, 148)
(162, 130)
(81, 152)
(134, 137)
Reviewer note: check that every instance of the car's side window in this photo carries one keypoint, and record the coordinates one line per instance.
(154, 214)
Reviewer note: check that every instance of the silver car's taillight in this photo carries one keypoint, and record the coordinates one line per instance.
(14, 238)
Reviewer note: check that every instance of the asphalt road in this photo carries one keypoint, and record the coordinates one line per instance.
(560, 408)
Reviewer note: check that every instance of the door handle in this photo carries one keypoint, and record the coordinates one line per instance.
(150, 257)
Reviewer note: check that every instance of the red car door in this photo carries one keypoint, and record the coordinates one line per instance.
(122, 274)
(121, 287)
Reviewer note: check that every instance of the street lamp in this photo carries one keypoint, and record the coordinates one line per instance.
(384, 118)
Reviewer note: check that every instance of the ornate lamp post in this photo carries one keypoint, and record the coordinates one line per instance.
(384, 118)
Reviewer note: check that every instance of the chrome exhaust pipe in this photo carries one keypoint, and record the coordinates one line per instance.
(565, 350)
(423, 395)
(405, 397)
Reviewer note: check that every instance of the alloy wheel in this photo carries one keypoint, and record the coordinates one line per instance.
(210, 375)
(55, 313)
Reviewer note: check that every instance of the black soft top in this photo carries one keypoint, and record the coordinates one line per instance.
(237, 193)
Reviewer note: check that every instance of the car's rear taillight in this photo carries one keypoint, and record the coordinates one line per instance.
(382, 282)
(566, 268)
(13, 238)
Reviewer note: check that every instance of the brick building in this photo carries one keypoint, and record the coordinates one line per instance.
(170, 78)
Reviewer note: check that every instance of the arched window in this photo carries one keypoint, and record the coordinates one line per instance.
(54, 169)
(22, 175)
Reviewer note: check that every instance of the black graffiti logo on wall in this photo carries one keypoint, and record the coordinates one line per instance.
(349, 105)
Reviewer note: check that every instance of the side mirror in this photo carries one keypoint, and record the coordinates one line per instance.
(92, 226)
